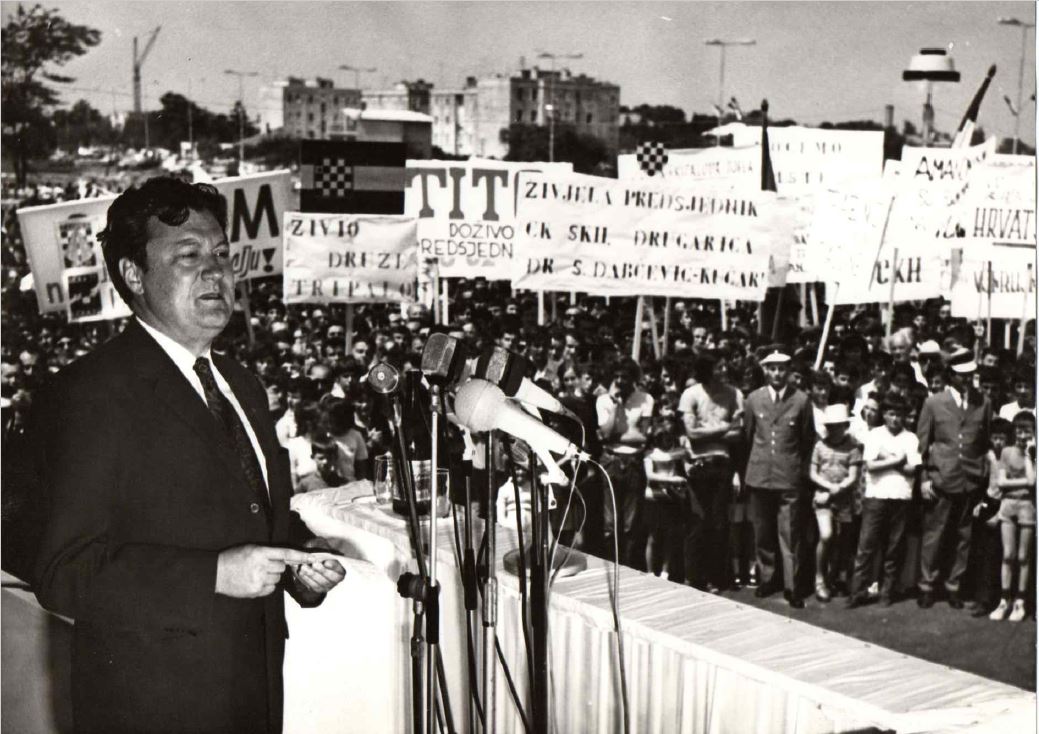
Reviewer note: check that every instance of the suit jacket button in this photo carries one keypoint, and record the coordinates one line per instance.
(254, 508)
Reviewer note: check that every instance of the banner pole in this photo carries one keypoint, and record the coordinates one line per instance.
(988, 307)
(247, 311)
(1024, 316)
(437, 312)
(776, 315)
(667, 324)
(813, 298)
(724, 313)
(826, 327)
(891, 293)
(636, 345)
(349, 327)
(541, 308)
(653, 327)
(445, 307)
(802, 315)
(555, 306)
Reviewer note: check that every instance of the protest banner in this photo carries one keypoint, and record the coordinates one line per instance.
(930, 184)
(62, 236)
(91, 296)
(609, 237)
(804, 159)
(344, 258)
(999, 205)
(466, 213)
(993, 280)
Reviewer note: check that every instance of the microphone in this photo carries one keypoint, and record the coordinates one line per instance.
(443, 359)
(508, 371)
(482, 406)
(383, 378)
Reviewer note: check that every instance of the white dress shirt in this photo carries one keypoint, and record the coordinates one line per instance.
(185, 362)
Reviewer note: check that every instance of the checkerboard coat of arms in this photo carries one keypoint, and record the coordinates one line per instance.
(77, 240)
(651, 157)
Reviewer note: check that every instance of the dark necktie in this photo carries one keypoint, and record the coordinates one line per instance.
(227, 417)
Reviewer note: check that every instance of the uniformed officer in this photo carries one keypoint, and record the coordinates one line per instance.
(953, 429)
(780, 431)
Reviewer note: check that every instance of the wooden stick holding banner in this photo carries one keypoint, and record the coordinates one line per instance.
(802, 315)
(667, 324)
(1024, 316)
(725, 315)
(437, 312)
(541, 308)
(988, 314)
(826, 326)
(891, 294)
(776, 315)
(243, 298)
(653, 327)
(445, 307)
(349, 328)
(813, 298)
(636, 345)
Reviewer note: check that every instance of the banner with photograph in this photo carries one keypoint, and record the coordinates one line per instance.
(466, 213)
(622, 237)
(91, 296)
(345, 258)
(62, 236)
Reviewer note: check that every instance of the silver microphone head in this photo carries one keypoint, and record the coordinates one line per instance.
(383, 378)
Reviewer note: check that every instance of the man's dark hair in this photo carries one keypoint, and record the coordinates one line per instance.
(1001, 427)
(894, 402)
(820, 378)
(703, 367)
(901, 369)
(1024, 418)
(169, 200)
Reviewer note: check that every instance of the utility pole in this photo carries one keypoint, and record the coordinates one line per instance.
(358, 70)
(241, 112)
(1025, 27)
(550, 107)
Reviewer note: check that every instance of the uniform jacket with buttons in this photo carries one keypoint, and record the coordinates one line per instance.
(144, 490)
(954, 441)
(780, 435)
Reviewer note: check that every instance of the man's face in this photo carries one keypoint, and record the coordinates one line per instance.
(990, 389)
(894, 420)
(937, 383)
(507, 339)
(776, 374)
(990, 360)
(920, 323)
(945, 311)
(187, 289)
(587, 382)
(1023, 393)
(324, 460)
(842, 379)
(820, 394)
(999, 442)
(360, 352)
(871, 413)
(900, 351)
(699, 337)
(1023, 435)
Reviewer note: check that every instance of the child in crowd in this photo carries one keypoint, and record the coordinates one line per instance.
(891, 457)
(834, 471)
(667, 495)
(1016, 485)
(325, 451)
(986, 551)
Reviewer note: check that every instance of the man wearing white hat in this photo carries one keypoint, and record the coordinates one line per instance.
(953, 429)
(780, 428)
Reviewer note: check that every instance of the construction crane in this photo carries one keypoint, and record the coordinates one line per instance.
(138, 60)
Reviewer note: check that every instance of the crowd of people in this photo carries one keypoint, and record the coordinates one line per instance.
(734, 461)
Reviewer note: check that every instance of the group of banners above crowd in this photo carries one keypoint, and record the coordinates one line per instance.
(957, 222)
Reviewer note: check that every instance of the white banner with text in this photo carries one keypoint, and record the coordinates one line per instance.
(349, 258)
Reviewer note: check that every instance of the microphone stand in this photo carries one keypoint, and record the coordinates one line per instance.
(416, 588)
(539, 596)
(490, 595)
(433, 590)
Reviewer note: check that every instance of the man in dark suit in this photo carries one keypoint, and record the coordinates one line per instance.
(168, 536)
(780, 431)
(953, 429)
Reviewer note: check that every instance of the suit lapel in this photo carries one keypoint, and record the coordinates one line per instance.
(171, 388)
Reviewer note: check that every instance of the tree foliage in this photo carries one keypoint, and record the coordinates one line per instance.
(531, 143)
(35, 41)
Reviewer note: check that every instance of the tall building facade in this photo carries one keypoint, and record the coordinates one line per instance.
(306, 108)
(475, 119)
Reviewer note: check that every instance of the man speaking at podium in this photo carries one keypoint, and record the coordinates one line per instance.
(168, 537)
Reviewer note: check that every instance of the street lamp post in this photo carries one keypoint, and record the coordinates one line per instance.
(241, 111)
(1025, 27)
(722, 45)
(550, 106)
(357, 70)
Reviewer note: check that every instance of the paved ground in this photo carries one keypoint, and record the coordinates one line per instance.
(1003, 651)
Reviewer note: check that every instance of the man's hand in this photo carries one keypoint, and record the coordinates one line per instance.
(927, 491)
(319, 576)
(253, 571)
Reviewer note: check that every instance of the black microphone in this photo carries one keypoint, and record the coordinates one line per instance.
(508, 371)
(443, 359)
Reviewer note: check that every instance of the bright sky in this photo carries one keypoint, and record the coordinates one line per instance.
(814, 61)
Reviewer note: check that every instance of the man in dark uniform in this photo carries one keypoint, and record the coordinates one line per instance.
(168, 536)
(953, 429)
(780, 431)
